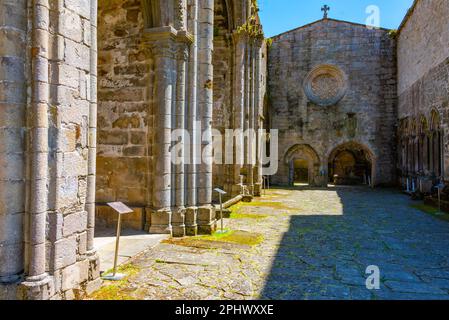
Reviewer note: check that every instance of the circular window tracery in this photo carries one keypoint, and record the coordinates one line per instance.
(325, 85)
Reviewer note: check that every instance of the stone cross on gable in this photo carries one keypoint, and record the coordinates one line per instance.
(325, 9)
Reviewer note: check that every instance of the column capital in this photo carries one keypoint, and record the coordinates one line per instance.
(166, 41)
(182, 51)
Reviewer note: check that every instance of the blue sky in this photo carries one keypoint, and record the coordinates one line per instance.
(282, 15)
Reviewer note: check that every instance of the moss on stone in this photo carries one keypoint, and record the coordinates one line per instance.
(117, 290)
(433, 211)
(237, 237)
(247, 216)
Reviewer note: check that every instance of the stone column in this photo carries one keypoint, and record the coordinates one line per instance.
(92, 139)
(240, 40)
(13, 28)
(191, 210)
(258, 117)
(246, 114)
(163, 50)
(252, 117)
(37, 277)
(206, 214)
(179, 228)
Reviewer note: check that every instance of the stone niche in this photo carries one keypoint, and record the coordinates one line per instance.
(325, 85)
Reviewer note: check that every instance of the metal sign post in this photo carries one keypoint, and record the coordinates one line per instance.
(121, 209)
(220, 194)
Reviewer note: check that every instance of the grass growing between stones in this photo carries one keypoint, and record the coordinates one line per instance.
(116, 290)
(237, 237)
(238, 210)
(433, 211)
(247, 216)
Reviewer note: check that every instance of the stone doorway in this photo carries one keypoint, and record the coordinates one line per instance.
(301, 172)
(351, 164)
(304, 165)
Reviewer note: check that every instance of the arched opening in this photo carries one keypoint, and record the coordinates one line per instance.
(351, 164)
(436, 145)
(304, 165)
(301, 174)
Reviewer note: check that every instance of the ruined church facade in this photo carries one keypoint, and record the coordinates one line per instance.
(332, 89)
(90, 93)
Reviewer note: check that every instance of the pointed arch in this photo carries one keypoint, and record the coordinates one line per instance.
(305, 154)
(351, 163)
(435, 120)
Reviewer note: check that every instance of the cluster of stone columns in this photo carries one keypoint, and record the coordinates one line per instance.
(48, 123)
(181, 202)
(422, 151)
(247, 112)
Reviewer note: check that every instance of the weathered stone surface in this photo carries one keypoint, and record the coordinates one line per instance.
(316, 248)
(364, 61)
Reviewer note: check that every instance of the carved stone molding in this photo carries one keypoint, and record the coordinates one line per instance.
(326, 85)
(167, 41)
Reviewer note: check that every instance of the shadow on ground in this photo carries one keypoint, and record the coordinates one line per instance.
(324, 255)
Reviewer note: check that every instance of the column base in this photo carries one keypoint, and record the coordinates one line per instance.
(207, 224)
(258, 190)
(38, 288)
(160, 221)
(191, 221)
(178, 222)
(94, 266)
(9, 287)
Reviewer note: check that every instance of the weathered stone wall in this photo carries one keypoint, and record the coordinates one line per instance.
(13, 69)
(423, 41)
(51, 44)
(423, 86)
(366, 114)
(124, 110)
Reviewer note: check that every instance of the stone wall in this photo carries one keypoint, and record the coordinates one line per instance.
(423, 83)
(13, 69)
(423, 41)
(124, 110)
(52, 46)
(363, 62)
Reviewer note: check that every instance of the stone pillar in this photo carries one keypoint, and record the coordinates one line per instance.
(164, 51)
(258, 117)
(240, 40)
(92, 138)
(246, 115)
(252, 118)
(192, 209)
(206, 214)
(179, 228)
(13, 28)
(38, 283)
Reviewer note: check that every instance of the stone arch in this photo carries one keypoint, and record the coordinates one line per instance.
(307, 153)
(436, 143)
(362, 169)
(435, 120)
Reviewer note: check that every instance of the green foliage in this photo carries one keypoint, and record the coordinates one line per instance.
(393, 33)
(116, 290)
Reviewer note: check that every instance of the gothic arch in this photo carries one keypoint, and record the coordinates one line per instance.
(363, 169)
(307, 153)
(435, 120)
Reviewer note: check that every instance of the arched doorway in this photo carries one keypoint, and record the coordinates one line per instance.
(304, 165)
(351, 164)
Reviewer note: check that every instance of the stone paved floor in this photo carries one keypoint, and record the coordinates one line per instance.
(316, 244)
